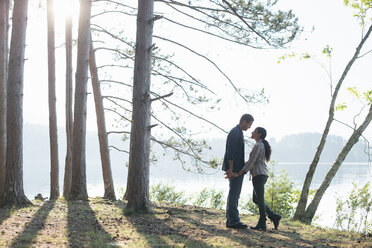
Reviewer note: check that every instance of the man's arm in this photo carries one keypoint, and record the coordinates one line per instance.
(232, 143)
(231, 167)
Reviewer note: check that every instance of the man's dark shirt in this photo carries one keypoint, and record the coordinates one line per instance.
(234, 150)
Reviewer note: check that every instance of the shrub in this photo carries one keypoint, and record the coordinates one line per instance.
(209, 198)
(121, 192)
(216, 199)
(166, 193)
(202, 198)
(358, 201)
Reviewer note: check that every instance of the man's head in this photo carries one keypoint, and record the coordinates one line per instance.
(246, 121)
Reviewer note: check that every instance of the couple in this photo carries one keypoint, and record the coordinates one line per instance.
(235, 169)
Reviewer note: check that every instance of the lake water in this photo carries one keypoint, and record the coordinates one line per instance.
(169, 173)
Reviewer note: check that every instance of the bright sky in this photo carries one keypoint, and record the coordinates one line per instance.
(298, 90)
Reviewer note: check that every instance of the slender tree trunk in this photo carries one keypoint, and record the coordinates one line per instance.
(4, 8)
(79, 184)
(301, 206)
(102, 134)
(7, 2)
(138, 171)
(313, 206)
(54, 167)
(69, 121)
(14, 193)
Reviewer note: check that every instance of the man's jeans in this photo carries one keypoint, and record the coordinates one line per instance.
(232, 213)
(259, 196)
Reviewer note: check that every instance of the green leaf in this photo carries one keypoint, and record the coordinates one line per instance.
(340, 107)
(286, 56)
(354, 92)
(305, 56)
(368, 96)
(327, 51)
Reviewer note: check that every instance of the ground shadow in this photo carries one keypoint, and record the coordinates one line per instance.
(5, 213)
(241, 236)
(31, 229)
(293, 235)
(248, 237)
(83, 227)
(156, 230)
(7, 210)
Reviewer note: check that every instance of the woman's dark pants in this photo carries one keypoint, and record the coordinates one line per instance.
(259, 197)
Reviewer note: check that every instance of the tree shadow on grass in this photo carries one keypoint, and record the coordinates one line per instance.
(26, 238)
(84, 229)
(258, 238)
(7, 210)
(5, 213)
(159, 232)
(245, 238)
(292, 235)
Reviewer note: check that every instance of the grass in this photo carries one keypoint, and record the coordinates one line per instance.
(102, 223)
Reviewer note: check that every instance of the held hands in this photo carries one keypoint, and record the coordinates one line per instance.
(230, 174)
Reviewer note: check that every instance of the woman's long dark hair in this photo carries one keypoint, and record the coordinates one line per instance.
(262, 132)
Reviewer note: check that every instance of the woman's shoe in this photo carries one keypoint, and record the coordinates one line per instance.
(258, 228)
(276, 219)
(261, 226)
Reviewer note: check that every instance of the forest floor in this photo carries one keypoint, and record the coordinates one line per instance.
(102, 223)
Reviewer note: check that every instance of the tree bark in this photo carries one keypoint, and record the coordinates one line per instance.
(301, 206)
(14, 193)
(4, 9)
(101, 125)
(78, 183)
(69, 120)
(138, 172)
(313, 206)
(53, 136)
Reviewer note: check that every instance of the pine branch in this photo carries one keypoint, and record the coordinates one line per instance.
(206, 58)
(120, 150)
(113, 11)
(118, 132)
(245, 22)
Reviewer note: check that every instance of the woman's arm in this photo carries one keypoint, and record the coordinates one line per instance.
(253, 156)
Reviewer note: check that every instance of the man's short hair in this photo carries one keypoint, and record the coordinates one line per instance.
(247, 118)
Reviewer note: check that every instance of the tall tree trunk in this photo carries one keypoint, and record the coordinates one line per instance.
(101, 125)
(14, 193)
(313, 206)
(301, 206)
(78, 183)
(4, 9)
(54, 167)
(69, 121)
(138, 172)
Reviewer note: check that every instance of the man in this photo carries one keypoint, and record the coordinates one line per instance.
(234, 162)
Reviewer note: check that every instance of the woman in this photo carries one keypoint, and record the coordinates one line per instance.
(256, 164)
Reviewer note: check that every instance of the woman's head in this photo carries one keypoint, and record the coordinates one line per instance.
(260, 134)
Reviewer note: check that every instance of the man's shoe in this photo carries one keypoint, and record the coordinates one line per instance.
(276, 221)
(238, 225)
